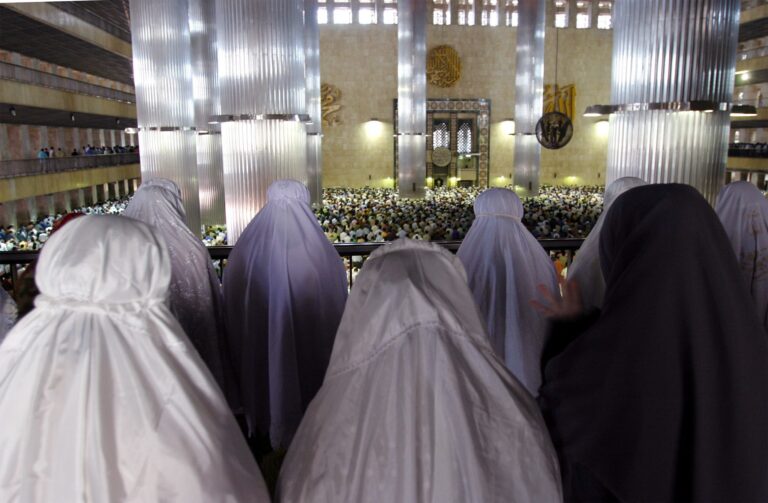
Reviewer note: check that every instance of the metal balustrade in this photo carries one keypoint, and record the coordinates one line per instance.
(16, 73)
(28, 167)
(353, 254)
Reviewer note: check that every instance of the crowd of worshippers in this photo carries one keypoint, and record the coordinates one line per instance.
(33, 235)
(472, 377)
(53, 152)
(360, 215)
(370, 214)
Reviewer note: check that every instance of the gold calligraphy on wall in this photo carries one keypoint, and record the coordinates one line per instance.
(560, 99)
(330, 96)
(443, 66)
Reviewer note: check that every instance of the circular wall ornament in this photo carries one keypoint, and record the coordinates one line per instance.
(554, 130)
(441, 157)
(443, 66)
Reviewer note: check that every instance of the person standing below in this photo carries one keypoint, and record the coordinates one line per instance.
(103, 399)
(663, 394)
(504, 265)
(585, 268)
(743, 210)
(284, 291)
(416, 406)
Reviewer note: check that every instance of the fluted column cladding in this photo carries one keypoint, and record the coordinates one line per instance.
(529, 93)
(163, 79)
(411, 97)
(314, 106)
(205, 80)
(263, 100)
(666, 55)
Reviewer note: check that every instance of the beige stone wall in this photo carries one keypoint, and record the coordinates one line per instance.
(362, 62)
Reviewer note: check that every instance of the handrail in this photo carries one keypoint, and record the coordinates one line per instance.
(345, 250)
(16, 73)
(28, 167)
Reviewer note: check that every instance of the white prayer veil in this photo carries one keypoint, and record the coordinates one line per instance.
(585, 268)
(102, 397)
(8, 313)
(195, 293)
(416, 406)
(285, 289)
(504, 265)
(172, 188)
(743, 211)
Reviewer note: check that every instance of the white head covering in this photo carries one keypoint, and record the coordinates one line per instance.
(195, 293)
(504, 264)
(585, 268)
(172, 188)
(101, 395)
(8, 313)
(415, 405)
(285, 289)
(743, 210)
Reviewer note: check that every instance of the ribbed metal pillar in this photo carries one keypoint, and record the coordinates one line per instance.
(263, 101)
(670, 56)
(529, 93)
(411, 97)
(205, 80)
(314, 106)
(163, 78)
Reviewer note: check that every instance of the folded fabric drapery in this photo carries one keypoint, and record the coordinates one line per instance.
(505, 264)
(285, 289)
(416, 406)
(102, 396)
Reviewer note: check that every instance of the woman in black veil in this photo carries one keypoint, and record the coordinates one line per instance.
(662, 395)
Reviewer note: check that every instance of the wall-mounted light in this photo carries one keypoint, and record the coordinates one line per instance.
(131, 131)
(12, 111)
(744, 76)
(743, 111)
(508, 126)
(72, 117)
(601, 128)
(373, 127)
(117, 121)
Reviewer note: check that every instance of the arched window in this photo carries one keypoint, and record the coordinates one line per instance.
(464, 137)
(441, 136)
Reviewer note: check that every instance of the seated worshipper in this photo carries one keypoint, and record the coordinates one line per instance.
(504, 265)
(743, 210)
(195, 292)
(416, 406)
(284, 290)
(102, 397)
(585, 270)
(664, 395)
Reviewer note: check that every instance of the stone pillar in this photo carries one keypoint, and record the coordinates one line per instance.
(529, 94)
(412, 96)
(163, 77)
(672, 86)
(210, 173)
(263, 101)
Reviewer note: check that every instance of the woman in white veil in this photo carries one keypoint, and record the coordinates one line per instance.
(285, 289)
(101, 395)
(505, 264)
(416, 406)
(743, 211)
(585, 268)
(195, 293)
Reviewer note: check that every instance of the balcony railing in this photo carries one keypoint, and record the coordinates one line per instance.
(27, 167)
(353, 254)
(9, 71)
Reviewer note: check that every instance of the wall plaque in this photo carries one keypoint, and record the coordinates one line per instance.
(443, 66)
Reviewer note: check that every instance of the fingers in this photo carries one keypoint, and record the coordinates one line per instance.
(543, 309)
